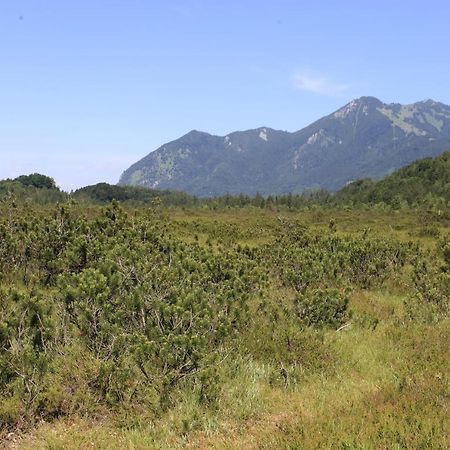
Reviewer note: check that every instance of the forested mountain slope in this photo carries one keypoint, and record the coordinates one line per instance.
(365, 138)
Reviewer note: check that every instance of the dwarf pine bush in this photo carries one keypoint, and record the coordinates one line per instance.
(152, 310)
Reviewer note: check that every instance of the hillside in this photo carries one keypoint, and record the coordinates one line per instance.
(425, 179)
(365, 138)
(105, 193)
(425, 182)
(35, 187)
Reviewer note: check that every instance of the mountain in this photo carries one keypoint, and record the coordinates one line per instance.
(365, 138)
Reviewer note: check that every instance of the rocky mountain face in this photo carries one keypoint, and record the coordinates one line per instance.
(365, 138)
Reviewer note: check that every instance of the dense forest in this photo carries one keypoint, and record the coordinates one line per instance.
(35, 188)
(163, 321)
(424, 182)
(102, 193)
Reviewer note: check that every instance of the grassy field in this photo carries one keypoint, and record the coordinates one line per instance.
(378, 379)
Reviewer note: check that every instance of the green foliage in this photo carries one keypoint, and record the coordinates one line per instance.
(186, 319)
(306, 259)
(425, 182)
(156, 311)
(27, 333)
(431, 278)
(105, 193)
(322, 307)
(37, 180)
(35, 188)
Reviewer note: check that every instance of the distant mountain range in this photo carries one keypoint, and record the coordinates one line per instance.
(365, 138)
(423, 183)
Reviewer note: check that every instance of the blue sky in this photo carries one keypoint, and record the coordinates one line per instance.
(87, 87)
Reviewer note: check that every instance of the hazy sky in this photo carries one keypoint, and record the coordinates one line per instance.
(87, 87)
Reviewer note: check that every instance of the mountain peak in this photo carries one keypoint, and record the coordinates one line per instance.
(365, 138)
(196, 133)
(368, 100)
(430, 102)
(365, 104)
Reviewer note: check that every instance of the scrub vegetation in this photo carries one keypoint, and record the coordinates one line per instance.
(223, 326)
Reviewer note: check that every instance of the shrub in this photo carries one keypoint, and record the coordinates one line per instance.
(146, 309)
(322, 307)
(305, 259)
(431, 278)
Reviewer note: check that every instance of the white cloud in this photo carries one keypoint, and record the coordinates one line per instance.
(319, 84)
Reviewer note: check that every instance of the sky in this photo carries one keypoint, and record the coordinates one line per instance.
(88, 87)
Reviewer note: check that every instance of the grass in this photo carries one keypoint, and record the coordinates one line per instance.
(388, 388)
(383, 381)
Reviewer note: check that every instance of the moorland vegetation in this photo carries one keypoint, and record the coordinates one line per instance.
(316, 322)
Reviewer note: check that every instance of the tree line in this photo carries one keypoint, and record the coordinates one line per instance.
(424, 183)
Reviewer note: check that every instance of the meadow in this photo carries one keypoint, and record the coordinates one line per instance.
(230, 327)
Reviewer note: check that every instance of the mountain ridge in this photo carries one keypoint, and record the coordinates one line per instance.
(364, 138)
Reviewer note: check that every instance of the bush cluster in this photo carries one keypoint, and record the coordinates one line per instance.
(144, 310)
(322, 267)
